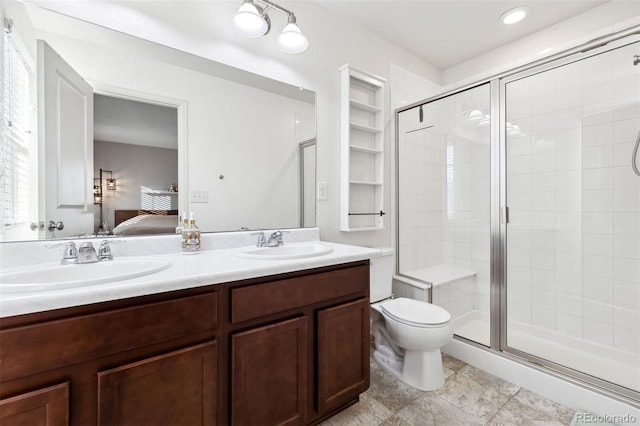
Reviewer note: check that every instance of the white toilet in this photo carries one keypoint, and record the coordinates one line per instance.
(410, 333)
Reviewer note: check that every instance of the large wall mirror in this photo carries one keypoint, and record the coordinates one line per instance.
(122, 134)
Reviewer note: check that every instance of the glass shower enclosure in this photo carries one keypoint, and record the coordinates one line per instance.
(444, 169)
(519, 209)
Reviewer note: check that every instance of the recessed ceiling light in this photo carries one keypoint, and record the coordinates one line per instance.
(514, 15)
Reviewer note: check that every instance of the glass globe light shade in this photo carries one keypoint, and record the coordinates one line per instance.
(249, 21)
(291, 40)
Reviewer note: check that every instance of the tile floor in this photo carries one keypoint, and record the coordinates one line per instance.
(469, 397)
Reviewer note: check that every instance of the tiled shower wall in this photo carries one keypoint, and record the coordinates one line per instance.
(574, 233)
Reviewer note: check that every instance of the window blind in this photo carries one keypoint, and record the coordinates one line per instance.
(18, 144)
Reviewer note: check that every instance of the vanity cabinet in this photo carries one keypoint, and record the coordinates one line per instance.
(287, 349)
(113, 363)
(299, 345)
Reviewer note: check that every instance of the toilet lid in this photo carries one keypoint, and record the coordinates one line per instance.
(416, 312)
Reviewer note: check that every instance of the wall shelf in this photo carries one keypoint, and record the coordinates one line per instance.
(364, 182)
(362, 122)
(365, 149)
(364, 106)
(365, 128)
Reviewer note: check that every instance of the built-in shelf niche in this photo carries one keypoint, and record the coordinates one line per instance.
(362, 150)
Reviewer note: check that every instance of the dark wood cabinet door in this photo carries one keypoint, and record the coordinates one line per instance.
(343, 353)
(178, 388)
(269, 374)
(43, 407)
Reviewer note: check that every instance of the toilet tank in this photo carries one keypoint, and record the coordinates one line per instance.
(382, 270)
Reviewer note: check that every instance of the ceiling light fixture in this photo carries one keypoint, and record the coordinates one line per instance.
(515, 15)
(253, 21)
(291, 39)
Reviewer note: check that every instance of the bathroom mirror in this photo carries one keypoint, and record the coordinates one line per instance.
(238, 138)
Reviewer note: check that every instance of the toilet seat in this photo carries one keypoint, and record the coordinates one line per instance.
(415, 312)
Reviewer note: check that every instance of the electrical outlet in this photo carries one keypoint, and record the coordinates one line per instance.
(199, 196)
(322, 190)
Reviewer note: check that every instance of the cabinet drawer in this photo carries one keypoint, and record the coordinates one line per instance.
(259, 300)
(31, 349)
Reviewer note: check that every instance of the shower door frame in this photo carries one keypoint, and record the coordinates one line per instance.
(500, 212)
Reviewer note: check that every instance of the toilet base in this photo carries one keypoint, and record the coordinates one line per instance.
(422, 370)
(393, 366)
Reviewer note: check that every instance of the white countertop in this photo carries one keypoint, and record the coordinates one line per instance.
(186, 271)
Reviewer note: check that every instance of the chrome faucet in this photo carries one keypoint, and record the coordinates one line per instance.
(275, 239)
(87, 253)
(104, 252)
(70, 254)
(262, 240)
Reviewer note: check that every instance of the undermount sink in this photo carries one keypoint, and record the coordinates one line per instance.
(287, 251)
(52, 276)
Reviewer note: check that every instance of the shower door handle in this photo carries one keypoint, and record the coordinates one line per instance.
(504, 215)
(634, 155)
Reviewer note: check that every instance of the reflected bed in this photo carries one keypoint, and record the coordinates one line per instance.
(145, 222)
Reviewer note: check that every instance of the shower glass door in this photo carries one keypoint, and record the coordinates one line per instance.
(444, 205)
(573, 236)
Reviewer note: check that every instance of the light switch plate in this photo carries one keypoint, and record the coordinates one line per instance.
(199, 197)
(322, 190)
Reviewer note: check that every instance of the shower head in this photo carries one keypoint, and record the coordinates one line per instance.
(636, 59)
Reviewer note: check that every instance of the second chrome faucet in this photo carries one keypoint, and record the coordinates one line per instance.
(275, 239)
(86, 253)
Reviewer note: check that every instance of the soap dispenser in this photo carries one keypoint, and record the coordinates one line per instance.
(190, 236)
(181, 222)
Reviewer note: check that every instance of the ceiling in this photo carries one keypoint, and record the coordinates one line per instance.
(136, 123)
(446, 33)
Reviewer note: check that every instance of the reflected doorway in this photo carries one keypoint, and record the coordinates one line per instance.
(135, 143)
